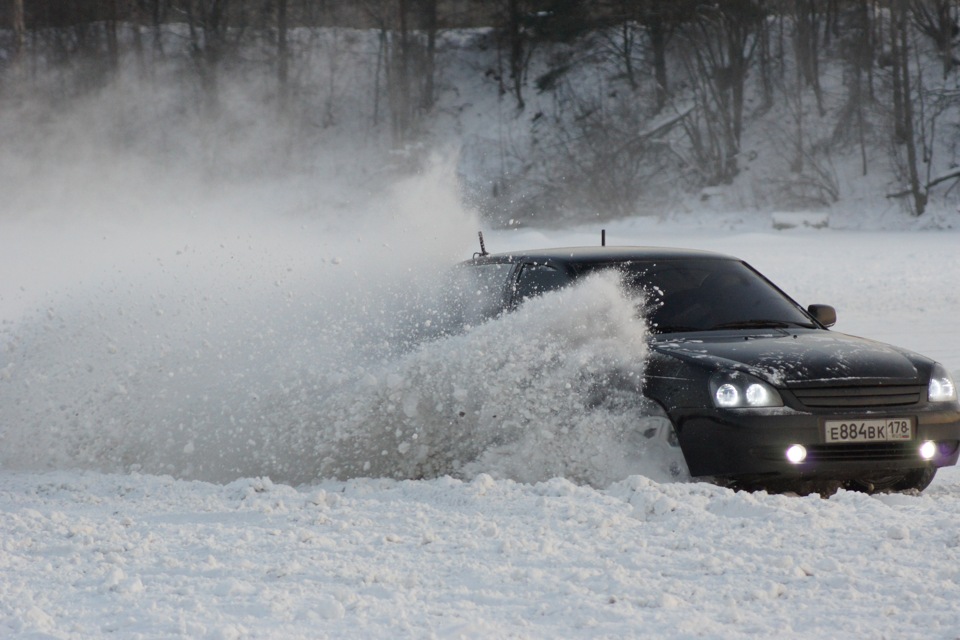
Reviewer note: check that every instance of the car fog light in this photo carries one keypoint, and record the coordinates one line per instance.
(928, 449)
(797, 453)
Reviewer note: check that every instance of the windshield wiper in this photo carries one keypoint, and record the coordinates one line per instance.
(760, 324)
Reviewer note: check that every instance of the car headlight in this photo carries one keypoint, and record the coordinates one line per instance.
(738, 390)
(941, 387)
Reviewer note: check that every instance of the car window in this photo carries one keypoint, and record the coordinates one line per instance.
(482, 291)
(537, 279)
(704, 294)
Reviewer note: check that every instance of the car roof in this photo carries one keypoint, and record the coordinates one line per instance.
(598, 255)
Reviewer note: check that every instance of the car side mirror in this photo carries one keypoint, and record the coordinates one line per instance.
(824, 314)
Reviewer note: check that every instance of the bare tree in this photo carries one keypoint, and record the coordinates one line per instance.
(904, 132)
(208, 24)
(112, 18)
(765, 38)
(720, 44)
(516, 43)
(429, 24)
(659, 21)
(857, 49)
(917, 110)
(283, 55)
(619, 41)
(609, 158)
(511, 21)
(406, 60)
(936, 19)
(808, 15)
(19, 29)
(159, 10)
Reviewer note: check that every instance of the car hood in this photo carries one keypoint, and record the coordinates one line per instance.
(792, 358)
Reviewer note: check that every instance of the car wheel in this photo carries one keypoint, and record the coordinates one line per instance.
(916, 479)
(912, 480)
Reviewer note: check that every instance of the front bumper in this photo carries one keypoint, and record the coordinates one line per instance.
(753, 442)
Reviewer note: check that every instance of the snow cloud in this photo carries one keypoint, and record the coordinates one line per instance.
(187, 298)
(230, 363)
(164, 273)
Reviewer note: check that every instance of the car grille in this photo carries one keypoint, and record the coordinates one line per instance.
(873, 451)
(857, 397)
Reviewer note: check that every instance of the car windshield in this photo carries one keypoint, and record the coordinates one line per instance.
(707, 294)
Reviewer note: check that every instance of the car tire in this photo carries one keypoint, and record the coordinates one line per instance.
(916, 479)
(911, 480)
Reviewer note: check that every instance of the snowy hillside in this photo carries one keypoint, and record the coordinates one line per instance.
(586, 146)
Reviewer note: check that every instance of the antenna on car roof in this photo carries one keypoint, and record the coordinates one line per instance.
(603, 237)
(483, 248)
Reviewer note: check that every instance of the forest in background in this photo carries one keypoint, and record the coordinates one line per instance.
(617, 107)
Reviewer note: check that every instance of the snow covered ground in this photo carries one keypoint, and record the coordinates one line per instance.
(96, 555)
(156, 400)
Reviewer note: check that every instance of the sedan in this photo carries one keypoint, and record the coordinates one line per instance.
(755, 389)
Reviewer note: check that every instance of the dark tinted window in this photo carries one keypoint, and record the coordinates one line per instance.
(703, 294)
(537, 279)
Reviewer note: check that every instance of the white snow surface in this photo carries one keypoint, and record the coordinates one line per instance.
(173, 410)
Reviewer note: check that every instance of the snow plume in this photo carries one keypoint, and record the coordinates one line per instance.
(218, 380)
(550, 390)
(213, 297)
(152, 338)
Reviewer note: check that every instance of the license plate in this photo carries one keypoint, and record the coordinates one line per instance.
(871, 430)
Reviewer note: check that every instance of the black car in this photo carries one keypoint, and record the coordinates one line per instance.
(758, 391)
